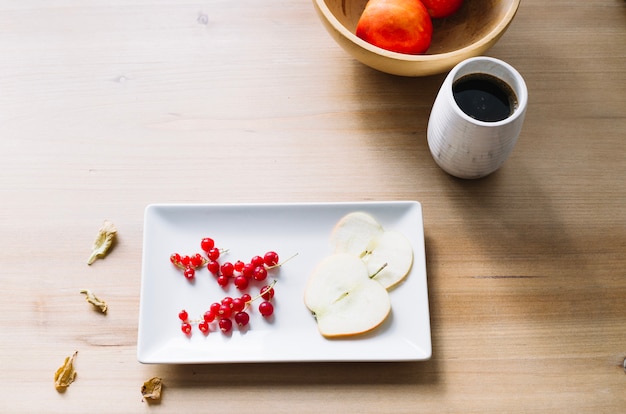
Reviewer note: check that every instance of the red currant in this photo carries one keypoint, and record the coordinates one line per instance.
(213, 267)
(183, 315)
(207, 244)
(209, 316)
(186, 328)
(239, 265)
(246, 298)
(238, 304)
(271, 258)
(185, 260)
(257, 261)
(204, 327)
(175, 259)
(266, 308)
(215, 308)
(241, 282)
(213, 254)
(222, 280)
(248, 270)
(189, 272)
(267, 292)
(225, 325)
(196, 260)
(260, 273)
(242, 318)
(225, 311)
(227, 269)
(228, 301)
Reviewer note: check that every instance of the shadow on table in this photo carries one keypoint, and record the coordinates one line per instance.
(515, 221)
(302, 374)
(394, 110)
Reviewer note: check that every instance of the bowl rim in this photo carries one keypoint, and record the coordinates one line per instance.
(491, 35)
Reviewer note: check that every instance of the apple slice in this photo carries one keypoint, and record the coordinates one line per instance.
(390, 258)
(354, 233)
(363, 236)
(343, 297)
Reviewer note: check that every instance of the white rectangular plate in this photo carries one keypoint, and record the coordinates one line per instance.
(291, 333)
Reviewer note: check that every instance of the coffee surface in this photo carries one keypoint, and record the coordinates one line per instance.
(484, 97)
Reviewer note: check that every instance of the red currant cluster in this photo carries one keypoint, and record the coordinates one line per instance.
(188, 264)
(242, 274)
(228, 309)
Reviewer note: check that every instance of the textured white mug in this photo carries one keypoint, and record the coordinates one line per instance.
(470, 148)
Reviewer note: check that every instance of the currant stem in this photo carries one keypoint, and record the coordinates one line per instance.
(183, 267)
(281, 263)
(179, 265)
(194, 321)
(270, 286)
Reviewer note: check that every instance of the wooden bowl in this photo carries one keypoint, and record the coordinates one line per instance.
(469, 32)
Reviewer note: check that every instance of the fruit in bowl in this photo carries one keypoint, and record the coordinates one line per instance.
(402, 26)
(470, 31)
(438, 9)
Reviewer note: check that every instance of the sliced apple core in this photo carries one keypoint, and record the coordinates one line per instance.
(392, 254)
(343, 297)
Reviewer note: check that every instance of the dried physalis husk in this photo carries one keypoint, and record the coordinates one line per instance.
(103, 242)
(151, 389)
(65, 375)
(94, 300)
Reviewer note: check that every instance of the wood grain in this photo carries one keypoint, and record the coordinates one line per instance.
(107, 106)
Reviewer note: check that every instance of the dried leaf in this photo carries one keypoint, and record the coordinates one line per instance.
(94, 300)
(65, 375)
(151, 389)
(103, 242)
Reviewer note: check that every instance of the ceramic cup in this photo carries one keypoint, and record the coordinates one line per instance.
(466, 147)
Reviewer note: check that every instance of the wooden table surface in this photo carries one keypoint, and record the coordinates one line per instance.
(108, 106)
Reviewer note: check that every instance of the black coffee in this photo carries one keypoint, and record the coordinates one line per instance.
(484, 97)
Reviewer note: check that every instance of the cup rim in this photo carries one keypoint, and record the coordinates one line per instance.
(519, 88)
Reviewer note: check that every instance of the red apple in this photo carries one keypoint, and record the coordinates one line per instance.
(402, 26)
(442, 8)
